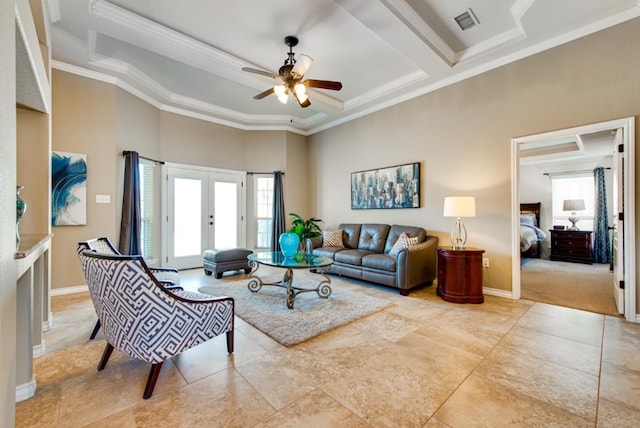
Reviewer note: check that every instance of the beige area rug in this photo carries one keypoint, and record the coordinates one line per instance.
(311, 315)
(574, 285)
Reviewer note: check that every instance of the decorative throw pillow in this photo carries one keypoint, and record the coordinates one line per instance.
(332, 238)
(402, 242)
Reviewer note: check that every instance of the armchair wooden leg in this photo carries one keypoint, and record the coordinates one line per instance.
(105, 356)
(230, 342)
(151, 381)
(95, 330)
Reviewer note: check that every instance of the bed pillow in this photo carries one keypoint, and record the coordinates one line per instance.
(332, 238)
(403, 242)
(528, 219)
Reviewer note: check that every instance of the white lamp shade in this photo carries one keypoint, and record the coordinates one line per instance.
(460, 206)
(573, 205)
(302, 65)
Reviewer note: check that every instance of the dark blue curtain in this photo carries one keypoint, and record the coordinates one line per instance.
(131, 217)
(278, 219)
(601, 240)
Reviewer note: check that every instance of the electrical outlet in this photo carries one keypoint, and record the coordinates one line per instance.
(485, 262)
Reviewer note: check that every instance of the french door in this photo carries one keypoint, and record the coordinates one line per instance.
(204, 209)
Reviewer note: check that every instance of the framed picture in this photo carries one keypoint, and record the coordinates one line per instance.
(68, 189)
(386, 188)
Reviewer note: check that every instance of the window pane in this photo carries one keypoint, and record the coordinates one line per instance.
(188, 217)
(264, 211)
(146, 208)
(226, 215)
(573, 187)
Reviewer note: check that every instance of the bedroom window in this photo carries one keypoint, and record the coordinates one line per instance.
(264, 211)
(573, 187)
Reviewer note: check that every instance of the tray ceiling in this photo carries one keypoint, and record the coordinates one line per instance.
(186, 56)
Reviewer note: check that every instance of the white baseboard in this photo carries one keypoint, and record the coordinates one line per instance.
(69, 290)
(46, 325)
(39, 350)
(497, 292)
(26, 390)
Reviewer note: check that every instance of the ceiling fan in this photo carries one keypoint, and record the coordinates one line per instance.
(291, 74)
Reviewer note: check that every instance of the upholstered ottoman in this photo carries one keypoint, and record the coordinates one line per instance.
(220, 261)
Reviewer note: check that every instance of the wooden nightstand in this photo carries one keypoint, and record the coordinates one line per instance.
(460, 275)
(571, 246)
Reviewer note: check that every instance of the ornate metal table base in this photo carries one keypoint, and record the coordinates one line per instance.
(323, 289)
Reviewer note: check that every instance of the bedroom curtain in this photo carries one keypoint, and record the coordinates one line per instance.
(601, 240)
(131, 216)
(278, 221)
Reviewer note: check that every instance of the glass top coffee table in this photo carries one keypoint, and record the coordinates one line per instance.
(299, 261)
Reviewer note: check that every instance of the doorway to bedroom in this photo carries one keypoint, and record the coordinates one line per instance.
(539, 161)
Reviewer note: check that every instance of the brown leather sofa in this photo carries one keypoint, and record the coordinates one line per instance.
(366, 255)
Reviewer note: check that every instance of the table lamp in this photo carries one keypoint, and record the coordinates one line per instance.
(573, 205)
(459, 206)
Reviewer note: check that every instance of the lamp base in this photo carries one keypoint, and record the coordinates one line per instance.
(458, 235)
(574, 219)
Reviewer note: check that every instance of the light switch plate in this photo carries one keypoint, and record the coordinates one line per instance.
(103, 199)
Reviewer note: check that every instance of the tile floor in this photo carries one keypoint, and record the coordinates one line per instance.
(422, 362)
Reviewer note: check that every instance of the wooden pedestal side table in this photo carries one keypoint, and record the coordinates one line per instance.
(460, 275)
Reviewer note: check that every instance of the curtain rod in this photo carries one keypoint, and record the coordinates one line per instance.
(126, 152)
(572, 172)
(264, 173)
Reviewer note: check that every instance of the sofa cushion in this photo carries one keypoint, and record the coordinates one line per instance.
(403, 242)
(329, 252)
(380, 261)
(351, 257)
(332, 238)
(373, 237)
(397, 230)
(351, 234)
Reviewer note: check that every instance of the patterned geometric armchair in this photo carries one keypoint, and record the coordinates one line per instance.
(168, 277)
(142, 319)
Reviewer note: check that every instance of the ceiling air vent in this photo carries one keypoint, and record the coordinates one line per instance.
(466, 20)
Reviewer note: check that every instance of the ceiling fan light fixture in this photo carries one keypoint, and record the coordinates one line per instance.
(282, 93)
(301, 92)
(302, 65)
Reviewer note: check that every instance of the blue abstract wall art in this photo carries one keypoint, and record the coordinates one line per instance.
(68, 189)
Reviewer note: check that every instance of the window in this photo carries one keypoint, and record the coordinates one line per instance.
(145, 169)
(575, 186)
(264, 211)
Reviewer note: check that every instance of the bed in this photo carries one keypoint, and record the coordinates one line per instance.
(530, 234)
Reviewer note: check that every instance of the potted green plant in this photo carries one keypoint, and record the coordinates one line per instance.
(305, 228)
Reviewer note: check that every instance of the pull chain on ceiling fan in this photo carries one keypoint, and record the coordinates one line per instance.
(291, 74)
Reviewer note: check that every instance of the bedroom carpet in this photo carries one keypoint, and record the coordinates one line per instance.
(311, 315)
(574, 285)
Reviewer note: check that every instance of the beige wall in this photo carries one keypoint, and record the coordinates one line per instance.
(101, 120)
(462, 135)
(84, 121)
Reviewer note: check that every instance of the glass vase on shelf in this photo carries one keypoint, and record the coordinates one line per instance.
(21, 208)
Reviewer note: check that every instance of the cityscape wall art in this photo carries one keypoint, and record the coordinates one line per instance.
(386, 188)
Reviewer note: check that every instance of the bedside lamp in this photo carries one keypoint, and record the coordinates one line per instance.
(459, 206)
(573, 205)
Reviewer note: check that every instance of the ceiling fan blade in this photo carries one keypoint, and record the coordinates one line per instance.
(261, 95)
(261, 72)
(323, 84)
(302, 65)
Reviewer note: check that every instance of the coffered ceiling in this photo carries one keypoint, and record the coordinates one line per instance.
(186, 56)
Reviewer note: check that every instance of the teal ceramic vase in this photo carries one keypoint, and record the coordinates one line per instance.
(289, 243)
(21, 208)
